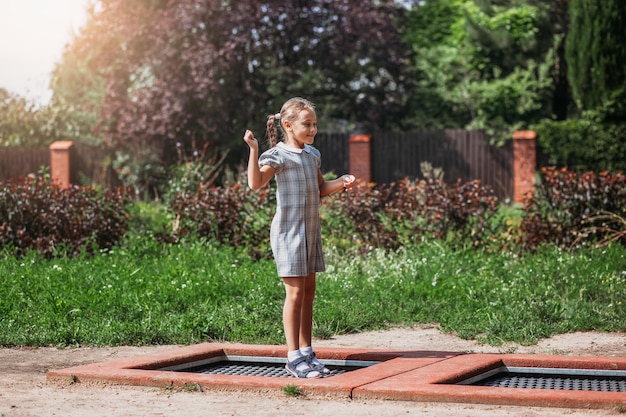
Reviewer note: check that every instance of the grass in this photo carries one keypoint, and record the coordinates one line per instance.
(292, 391)
(146, 293)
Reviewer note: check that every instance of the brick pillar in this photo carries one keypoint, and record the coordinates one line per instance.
(524, 163)
(360, 157)
(60, 163)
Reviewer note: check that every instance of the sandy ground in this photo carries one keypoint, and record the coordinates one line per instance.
(24, 391)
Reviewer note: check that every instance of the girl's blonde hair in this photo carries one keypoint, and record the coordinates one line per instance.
(290, 111)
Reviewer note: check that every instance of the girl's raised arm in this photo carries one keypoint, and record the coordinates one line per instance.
(258, 177)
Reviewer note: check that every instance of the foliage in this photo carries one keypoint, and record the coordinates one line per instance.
(232, 215)
(590, 143)
(150, 178)
(24, 124)
(407, 212)
(509, 103)
(595, 51)
(200, 169)
(141, 171)
(565, 210)
(368, 217)
(78, 89)
(491, 67)
(568, 209)
(293, 391)
(37, 215)
(150, 219)
(200, 70)
(144, 292)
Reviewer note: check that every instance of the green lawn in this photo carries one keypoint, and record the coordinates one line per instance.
(146, 293)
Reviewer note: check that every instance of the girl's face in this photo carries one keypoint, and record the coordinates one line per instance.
(302, 130)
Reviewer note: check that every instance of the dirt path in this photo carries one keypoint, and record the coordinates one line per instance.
(24, 391)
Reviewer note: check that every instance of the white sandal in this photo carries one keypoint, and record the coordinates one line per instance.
(308, 372)
(319, 367)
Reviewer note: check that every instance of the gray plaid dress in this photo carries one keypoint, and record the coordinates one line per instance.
(296, 235)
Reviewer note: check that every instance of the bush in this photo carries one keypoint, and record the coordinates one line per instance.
(591, 143)
(370, 216)
(389, 216)
(355, 218)
(150, 218)
(568, 209)
(37, 215)
(232, 215)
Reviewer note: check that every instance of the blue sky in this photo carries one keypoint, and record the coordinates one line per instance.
(32, 36)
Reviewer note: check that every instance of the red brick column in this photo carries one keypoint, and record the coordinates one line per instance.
(60, 163)
(360, 157)
(524, 163)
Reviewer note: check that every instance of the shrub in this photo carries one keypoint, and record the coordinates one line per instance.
(356, 217)
(591, 143)
(458, 212)
(201, 169)
(568, 209)
(232, 215)
(37, 215)
(150, 218)
(388, 216)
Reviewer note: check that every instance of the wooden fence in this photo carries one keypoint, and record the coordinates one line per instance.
(16, 162)
(334, 150)
(90, 164)
(461, 154)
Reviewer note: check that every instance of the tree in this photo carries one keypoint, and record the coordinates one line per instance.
(434, 30)
(203, 70)
(483, 64)
(16, 120)
(596, 51)
(594, 140)
(24, 124)
(78, 91)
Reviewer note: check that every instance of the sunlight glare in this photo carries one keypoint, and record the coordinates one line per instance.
(32, 36)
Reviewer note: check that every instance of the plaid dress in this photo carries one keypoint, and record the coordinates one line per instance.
(296, 235)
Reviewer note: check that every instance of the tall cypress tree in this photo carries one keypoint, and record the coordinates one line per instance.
(596, 51)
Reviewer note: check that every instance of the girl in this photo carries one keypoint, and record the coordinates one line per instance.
(295, 233)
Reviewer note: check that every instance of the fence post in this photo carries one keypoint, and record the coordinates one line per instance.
(60, 163)
(524, 163)
(360, 156)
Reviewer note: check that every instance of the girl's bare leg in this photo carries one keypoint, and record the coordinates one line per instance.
(292, 310)
(306, 316)
(298, 322)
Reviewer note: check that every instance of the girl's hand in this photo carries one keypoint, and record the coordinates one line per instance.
(248, 137)
(348, 181)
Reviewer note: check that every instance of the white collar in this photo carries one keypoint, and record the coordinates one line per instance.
(283, 145)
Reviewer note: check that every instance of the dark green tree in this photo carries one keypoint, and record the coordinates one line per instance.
(594, 140)
(596, 52)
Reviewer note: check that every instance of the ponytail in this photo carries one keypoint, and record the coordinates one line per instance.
(272, 136)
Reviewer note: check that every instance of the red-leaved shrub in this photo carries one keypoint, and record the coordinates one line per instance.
(37, 215)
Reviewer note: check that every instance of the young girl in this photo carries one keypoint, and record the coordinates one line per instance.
(295, 233)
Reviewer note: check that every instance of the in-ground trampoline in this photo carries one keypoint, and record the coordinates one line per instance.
(432, 376)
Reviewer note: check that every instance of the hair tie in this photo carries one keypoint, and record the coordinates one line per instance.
(277, 116)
